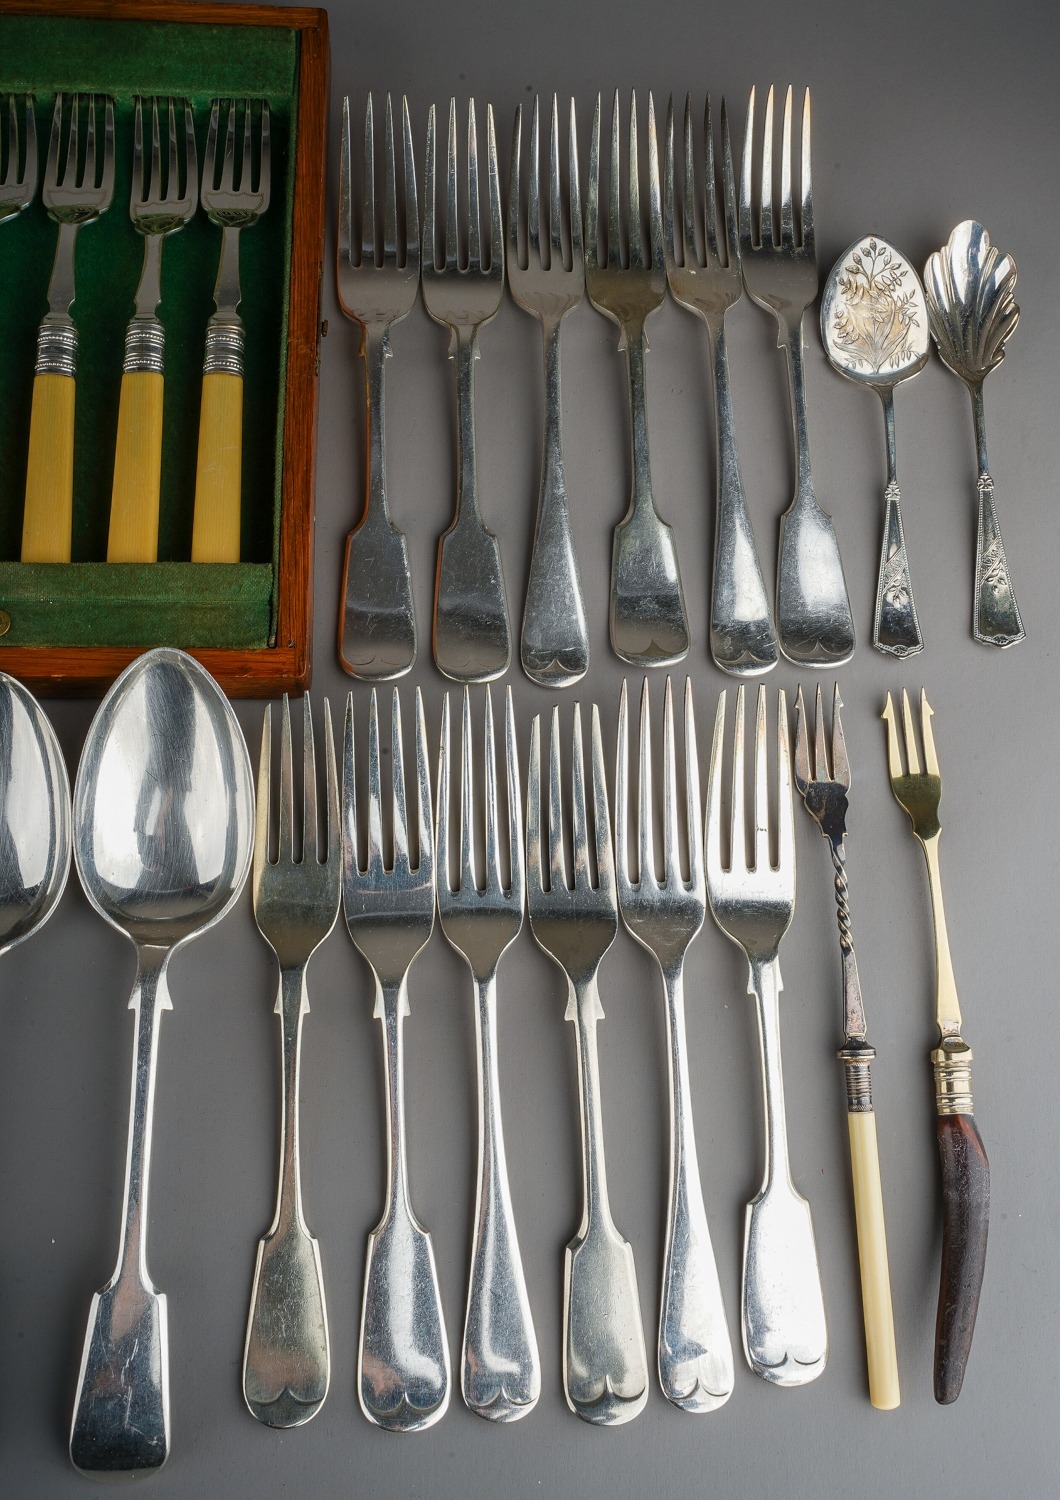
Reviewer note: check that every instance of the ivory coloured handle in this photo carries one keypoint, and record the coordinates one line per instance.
(218, 475)
(137, 469)
(872, 1254)
(47, 522)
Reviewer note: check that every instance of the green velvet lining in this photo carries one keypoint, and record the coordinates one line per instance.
(46, 54)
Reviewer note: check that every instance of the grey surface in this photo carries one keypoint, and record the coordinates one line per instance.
(922, 116)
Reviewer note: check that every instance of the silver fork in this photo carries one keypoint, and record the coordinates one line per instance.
(780, 273)
(156, 211)
(649, 626)
(377, 621)
(784, 1333)
(501, 1371)
(72, 196)
(605, 1367)
(555, 638)
(403, 1353)
(703, 269)
(471, 636)
(695, 1352)
(287, 1359)
(18, 184)
(218, 475)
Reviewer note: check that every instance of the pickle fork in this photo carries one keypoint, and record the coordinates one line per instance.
(965, 1169)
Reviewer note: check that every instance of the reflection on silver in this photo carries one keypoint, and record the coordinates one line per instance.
(163, 823)
(35, 834)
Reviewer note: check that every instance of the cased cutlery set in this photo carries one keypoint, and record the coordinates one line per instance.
(162, 824)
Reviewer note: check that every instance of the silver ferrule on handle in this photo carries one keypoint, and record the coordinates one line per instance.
(856, 1058)
(56, 347)
(225, 346)
(952, 1062)
(145, 347)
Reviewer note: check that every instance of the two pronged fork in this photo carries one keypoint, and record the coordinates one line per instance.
(471, 636)
(377, 622)
(287, 1360)
(403, 1352)
(18, 177)
(501, 1371)
(555, 638)
(649, 626)
(605, 1367)
(219, 469)
(72, 196)
(965, 1169)
(156, 209)
(695, 1353)
(703, 269)
(780, 272)
(784, 1333)
(824, 791)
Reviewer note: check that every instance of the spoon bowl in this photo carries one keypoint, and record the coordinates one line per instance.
(35, 833)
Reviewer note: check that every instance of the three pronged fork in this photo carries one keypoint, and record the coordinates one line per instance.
(965, 1169)
(219, 469)
(695, 1353)
(377, 621)
(156, 209)
(605, 1367)
(824, 791)
(703, 269)
(649, 626)
(287, 1359)
(72, 196)
(784, 1333)
(18, 179)
(501, 1371)
(814, 622)
(471, 636)
(555, 638)
(403, 1352)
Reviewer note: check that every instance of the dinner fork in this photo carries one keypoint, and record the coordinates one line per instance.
(72, 196)
(377, 621)
(703, 270)
(402, 1353)
(695, 1352)
(287, 1359)
(605, 1367)
(780, 273)
(155, 212)
(18, 180)
(649, 626)
(471, 636)
(501, 1371)
(965, 1169)
(784, 1333)
(219, 467)
(555, 638)
(823, 789)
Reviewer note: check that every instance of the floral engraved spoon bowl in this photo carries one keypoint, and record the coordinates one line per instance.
(875, 328)
(972, 311)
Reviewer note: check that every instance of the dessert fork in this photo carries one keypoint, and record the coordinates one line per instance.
(402, 1353)
(780, 273)
(965, 1169)
(377, 622)
(555, 638)
(501, 1371)
(703, 269)
(471, 637)
(287, 1360)
(695, 1353)
(605, 1367)
(824, 791)
(784, 1333)
(219, 468)
(155, 212)
(72, 196)
(649, 626)
(18, 184)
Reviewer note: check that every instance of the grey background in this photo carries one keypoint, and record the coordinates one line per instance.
(923, 116)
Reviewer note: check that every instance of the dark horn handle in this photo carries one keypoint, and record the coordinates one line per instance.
(965, 1220)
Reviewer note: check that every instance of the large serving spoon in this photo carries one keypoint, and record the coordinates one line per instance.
(163, 825)
(34, 815)
(875, 330)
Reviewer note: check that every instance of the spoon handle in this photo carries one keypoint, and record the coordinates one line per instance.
(896, 626)
(121, 1413)
(996, 617)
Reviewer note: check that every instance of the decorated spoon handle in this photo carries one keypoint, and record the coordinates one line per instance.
(996, 617)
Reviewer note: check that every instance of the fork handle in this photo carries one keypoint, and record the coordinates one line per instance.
(47, 522)
(219, 470)
(965, 1216)
(138, 451)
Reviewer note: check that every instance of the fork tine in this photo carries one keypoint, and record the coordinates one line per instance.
(265, 157)
(351, 859)
(534, 861)
(636, 229)
(767, 222)
(622, 787)
(931, 761)
(840, 763)
(191, 162)
(806, 238)
(673, 250)
(820, 748)
(691, 247)
(515, 805)
(138, 155)
(397, 761)
(785, 802)
(732, 233)
(310, 829)
(574, 193)
(515, 188)
(557, 857)
(747, 229)
(614, 181)
(579, 812)
(107, 176)
(738, 824)
(390, 190)
(425, 862)
(228, 162)
(533, 212)
(894, 754)
(787, 225)
(246, 172)
(802, 745)
(645, 830)
(209, 161)
(592, 193)
(156, 150)
(468, 879)
(710, 196)
(912, 754)
(173, 177)
(374, 866)
(70, 170)
(430, 238)
(761, 808)
(605, 857)
(493, 854)
(261, 805)
(345, 205)
(368, 198)
(692, 797)
(474, 228)
(331, 769)
(285, 837)
(441, 838)
(654, 194)
(494, 176)
(412, 207)
(671, 837)
(555, 213)
(712, 826)
(452, 245)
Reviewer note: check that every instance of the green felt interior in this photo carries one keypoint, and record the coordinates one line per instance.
(48, 54)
